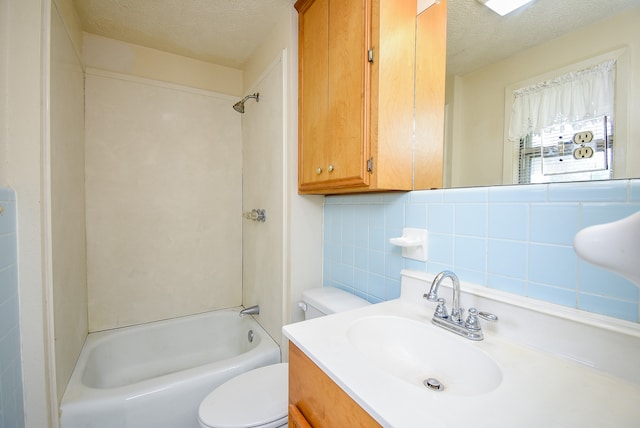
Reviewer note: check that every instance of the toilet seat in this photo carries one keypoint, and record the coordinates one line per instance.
(257, 398)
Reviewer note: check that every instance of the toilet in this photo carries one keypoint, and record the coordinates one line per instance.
(259, 398)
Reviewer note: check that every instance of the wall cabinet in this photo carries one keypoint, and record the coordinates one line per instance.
(316, 401)
(356, 96)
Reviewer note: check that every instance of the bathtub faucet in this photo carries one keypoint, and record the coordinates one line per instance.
(251, 310)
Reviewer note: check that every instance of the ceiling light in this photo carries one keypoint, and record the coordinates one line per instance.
(502, 7)
(425, 4)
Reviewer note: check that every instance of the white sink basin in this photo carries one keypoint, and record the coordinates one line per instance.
(414, 351)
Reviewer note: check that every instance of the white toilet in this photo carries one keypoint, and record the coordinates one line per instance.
(259, 397)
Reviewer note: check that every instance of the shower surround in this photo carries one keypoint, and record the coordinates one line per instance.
(163, 200)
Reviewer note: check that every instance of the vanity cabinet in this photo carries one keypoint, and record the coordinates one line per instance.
(316, 401)
(356, 95)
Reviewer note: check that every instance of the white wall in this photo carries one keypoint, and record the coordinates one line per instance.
(478, 98)
(263, 188)
(173, 166)
(120, 57)
(304, 238)
(163, 183)
(68, 261)
(35, 163)
(24, 23)
(25, 165)
(302, 216)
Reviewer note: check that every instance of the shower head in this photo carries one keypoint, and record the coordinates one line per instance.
(239, 106)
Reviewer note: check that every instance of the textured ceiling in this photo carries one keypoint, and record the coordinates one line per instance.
(477, 36)
(226, 32)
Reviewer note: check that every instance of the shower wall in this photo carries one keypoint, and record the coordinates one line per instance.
(302, 214)
(263, 187)
(68, 253)
(163, 200)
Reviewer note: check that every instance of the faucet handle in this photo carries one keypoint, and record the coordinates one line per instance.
(473, 323)
(441, 310)
(488, 316)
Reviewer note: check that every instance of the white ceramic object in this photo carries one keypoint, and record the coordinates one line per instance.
(414, 243)
(155, 375)
(405, 349)
(614, 246)
(257, 398)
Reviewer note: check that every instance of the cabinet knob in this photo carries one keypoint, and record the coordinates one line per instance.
(319, 171)
(330, 168)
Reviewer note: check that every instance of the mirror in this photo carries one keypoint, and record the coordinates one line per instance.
(488, 55)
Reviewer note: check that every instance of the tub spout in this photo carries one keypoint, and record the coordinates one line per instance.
(251, 310)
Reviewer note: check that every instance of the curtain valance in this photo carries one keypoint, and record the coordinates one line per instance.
(574, 96)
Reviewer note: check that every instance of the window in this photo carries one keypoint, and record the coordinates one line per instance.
(558, 153)
(563, 128)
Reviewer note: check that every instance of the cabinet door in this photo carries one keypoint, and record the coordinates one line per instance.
(314, 91)
(297, 419)
(317, 400)
(431, 56)
(348, 91)
(334, 36)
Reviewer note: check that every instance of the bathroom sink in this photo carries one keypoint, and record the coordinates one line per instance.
(413, 351)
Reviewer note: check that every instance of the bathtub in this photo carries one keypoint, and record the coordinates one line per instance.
(155, 375)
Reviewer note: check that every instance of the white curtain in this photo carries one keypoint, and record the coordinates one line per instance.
(574, 96)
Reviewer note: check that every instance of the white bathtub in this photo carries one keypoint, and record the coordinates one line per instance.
(155, 375)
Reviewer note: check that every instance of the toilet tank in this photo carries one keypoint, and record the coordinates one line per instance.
(317, 302)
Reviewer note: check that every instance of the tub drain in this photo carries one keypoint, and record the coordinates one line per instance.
(250, 336)
(433, 384)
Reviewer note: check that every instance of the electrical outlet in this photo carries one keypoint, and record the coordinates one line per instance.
(583, 152)
(583, 138)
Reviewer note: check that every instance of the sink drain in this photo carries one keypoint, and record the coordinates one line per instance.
(433, 384)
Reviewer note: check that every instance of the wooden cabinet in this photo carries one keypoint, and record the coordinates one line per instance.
(431, 55)
(342, 107)
(356, 96)
(316, 401)
(297, 419)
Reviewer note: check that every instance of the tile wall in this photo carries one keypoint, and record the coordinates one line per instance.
(11, 402)
(513, 238)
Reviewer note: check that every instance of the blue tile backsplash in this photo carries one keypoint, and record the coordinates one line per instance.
(11, 402)
(512, 238)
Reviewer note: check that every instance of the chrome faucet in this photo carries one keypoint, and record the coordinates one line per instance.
(251, 310)
(456, 311)
(469, 328)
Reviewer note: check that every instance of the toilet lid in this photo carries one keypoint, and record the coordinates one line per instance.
(255, 398)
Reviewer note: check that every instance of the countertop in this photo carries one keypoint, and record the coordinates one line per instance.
(537, 389)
